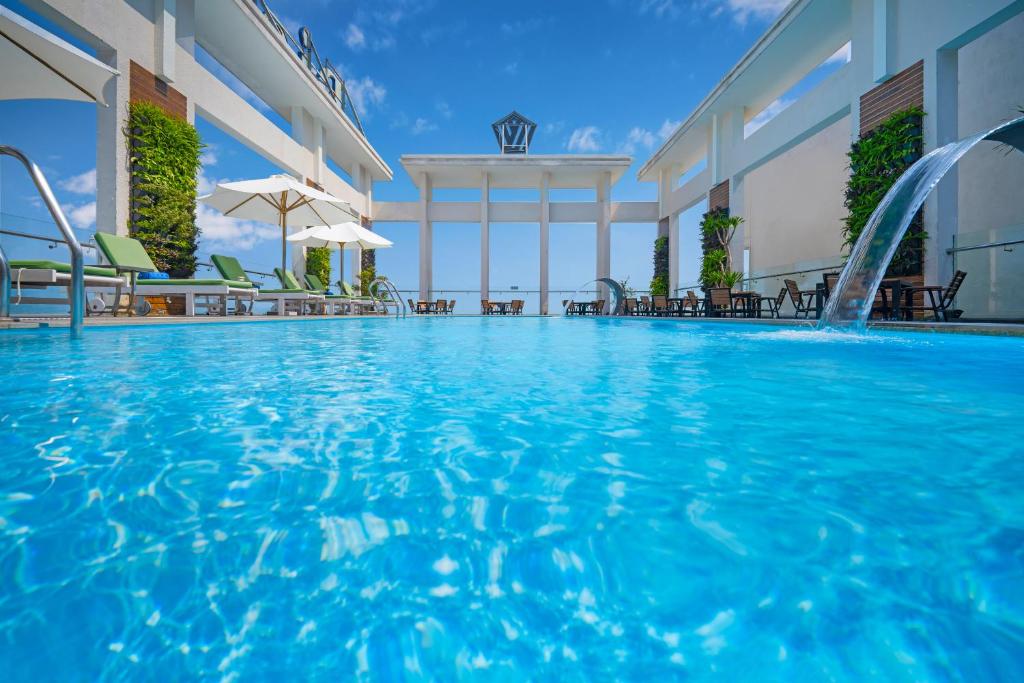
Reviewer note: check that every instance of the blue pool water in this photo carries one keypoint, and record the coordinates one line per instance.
(510, 499)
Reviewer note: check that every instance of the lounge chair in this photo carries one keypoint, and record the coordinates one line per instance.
(803, 301)
(361, 301)
(332, 301)
(296, 298)
(940, 299)
(127, 255)
(40, 274)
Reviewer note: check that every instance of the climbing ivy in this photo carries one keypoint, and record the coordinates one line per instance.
(876, 161)
(659, 283)
(163, 161)
(318, 262)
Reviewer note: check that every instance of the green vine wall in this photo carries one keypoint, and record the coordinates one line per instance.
(318, 262)
(876, 161)
(659, 283)
(164, 161)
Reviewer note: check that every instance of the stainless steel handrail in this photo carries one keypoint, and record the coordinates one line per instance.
(77, 287)
(390, 288)
(5, 285)
(987, 245)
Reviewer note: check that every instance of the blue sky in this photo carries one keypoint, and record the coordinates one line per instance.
(429, 76)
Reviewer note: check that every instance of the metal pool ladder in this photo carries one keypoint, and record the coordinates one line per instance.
(390, 288)
(77, 258)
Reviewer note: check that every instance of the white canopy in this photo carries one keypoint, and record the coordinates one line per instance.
(342, 236)
(39, 65)
(279, 199)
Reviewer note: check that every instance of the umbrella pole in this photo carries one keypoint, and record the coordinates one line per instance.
(341, 263)
(284, 245)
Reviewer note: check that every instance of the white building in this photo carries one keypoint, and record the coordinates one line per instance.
(153, 44)
(963, 62)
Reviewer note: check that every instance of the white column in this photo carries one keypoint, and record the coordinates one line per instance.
(363, 184)
(882, 15)
(604, 236)
(715, 151)
(545, 238)
(673, 253)
(113, 184)
(426, 238)
(485, 235)
(165, 42)
(941, 126)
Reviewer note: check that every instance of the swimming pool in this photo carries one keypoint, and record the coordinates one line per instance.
(506, 499)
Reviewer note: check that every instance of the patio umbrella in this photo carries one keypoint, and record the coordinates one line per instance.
(343, 236)
(39, 65)
(279, 199)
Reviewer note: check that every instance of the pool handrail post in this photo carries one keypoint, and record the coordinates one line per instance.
(5, 285)
(77, 285)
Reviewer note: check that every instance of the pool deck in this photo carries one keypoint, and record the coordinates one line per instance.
(995, 329)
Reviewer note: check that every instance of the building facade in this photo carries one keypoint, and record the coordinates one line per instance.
(770, 141)
(154, 45)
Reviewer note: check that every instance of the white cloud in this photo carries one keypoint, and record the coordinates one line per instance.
(355, 38)
(219, 230)
(366, 94)
(744, 10)
(83, 216)
(209, 155)
(512, 68)
(586, 139)
(841, 56)
(553, 127)
(443, 109)
(741, 11)
(766, 115)
(667, 128)
(637, 138)
(83, 183)
(422, 125)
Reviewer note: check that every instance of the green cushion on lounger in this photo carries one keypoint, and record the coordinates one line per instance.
(283, 291)
(179, 282)
(287, 280)
(229, 268)
(347, 290)
(62, 267)
(125, 252)
(314, 283)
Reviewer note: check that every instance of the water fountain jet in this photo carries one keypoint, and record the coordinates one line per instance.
(850, 302)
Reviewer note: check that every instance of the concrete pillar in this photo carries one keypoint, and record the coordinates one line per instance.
(715, 151)
(941, 126)
(882, 17)
(545, 238)
(113, 183)
(308, 131)
(164, 42)
(604, 233)
(362, 183)
(673, 254)
(426, 238)
(485, 235)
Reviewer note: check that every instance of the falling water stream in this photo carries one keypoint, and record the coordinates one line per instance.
(851, 302)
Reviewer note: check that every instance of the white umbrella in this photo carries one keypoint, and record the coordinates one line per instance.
(343, 236)
(279, 199)
(39, 65)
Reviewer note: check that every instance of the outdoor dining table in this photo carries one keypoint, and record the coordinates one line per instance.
(749, 300)
(501, 306)
(676, 304)
(894, 292)
(426, 306)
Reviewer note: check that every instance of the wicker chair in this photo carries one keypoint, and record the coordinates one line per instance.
(939, 301)
(721, 302)
(693, 305)
(774, 305)
(451, 307)
(660, 306)
(803, 301)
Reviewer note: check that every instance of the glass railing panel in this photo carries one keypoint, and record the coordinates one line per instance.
(994, 262)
